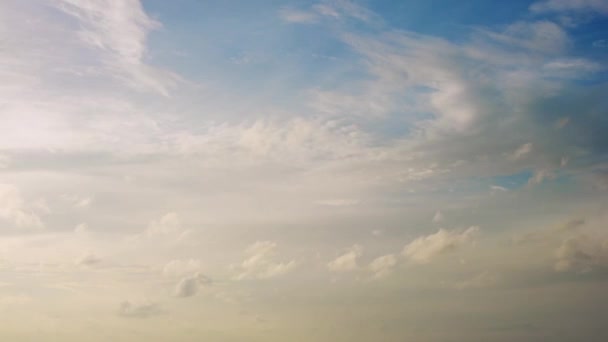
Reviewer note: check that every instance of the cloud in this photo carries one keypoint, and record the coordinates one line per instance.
(13, 208)
(426, 248)
(582, 253)
(498, 188)
(118, 31)
(599, 6)
(81, 228)
(383, 266)
(167, 224)
(88, 260)
(438, 217)
(522, 151)
(260, 262)
(189, 286)
(346, 262)
(297, 16)
(142, 309)
(480, 281)
(540, 175)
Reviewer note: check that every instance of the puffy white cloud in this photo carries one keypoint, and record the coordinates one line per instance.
(426, 248)
(346, 262)
(260, 262)
(383, 265)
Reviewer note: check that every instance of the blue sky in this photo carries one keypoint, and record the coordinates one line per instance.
(332, 170)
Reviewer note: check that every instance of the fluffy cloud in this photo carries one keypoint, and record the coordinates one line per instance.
(426, 248)
(346, 262)
(260, 262)
(383, 265)
(189, 286)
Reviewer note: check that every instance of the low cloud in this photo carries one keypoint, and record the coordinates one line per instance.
(260, 262)
(346, 262)
(383, 266)
(426, 248)
(189, 286)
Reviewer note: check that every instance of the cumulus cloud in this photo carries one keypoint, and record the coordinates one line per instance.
(383, 265)
(346, 262)
(260, 262)
(139, 309)
(426, 248)
(189, 286)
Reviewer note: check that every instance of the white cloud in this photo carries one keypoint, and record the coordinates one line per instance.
(540, 175)
(600, 6)
(522, 151)
(346, 262)
(498, 188)
(383, 266)
(260, 262)
(426, 248)
(119, 29)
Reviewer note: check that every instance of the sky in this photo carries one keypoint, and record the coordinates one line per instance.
(332, 170)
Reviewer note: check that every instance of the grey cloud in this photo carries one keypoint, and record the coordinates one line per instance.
(139, 309)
